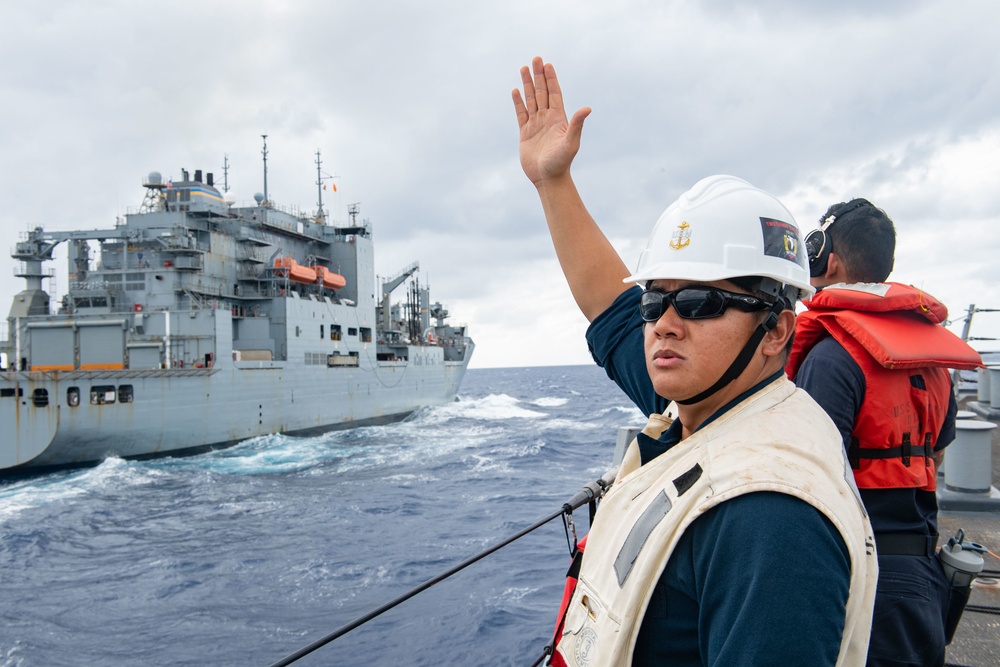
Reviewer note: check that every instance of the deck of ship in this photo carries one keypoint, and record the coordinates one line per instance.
(977, 641)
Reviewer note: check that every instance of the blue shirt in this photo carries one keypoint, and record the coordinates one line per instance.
(761, 578)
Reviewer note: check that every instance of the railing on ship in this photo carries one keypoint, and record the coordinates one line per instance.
(291, 219)
(967, 381)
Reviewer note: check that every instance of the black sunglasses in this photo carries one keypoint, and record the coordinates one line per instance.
(696, 303)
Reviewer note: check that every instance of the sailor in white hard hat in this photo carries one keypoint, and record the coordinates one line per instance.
(734, 534)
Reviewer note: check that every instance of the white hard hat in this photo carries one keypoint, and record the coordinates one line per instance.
(722, 228)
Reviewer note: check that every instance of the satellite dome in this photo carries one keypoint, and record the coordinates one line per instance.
(154, 178)
(229, 197)
(258, 197)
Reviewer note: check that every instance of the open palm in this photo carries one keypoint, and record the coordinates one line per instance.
(548, 143)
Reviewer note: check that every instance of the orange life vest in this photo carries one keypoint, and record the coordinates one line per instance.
(894, 333)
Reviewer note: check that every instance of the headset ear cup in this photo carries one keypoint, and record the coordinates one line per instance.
(818, 247)
(817, 265)
(819, 243)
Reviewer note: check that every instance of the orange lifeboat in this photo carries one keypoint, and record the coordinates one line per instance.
(286, 266)
(330, 279)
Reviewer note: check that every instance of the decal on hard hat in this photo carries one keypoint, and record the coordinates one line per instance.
(782, 239)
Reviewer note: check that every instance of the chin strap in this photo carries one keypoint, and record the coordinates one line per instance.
(743, 359)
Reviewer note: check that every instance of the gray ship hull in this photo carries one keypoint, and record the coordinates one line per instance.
(196, 323)
(183, 409)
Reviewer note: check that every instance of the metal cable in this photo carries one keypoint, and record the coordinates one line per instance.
(590, 491)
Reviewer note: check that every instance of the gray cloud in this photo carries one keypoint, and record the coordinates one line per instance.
(409, 103)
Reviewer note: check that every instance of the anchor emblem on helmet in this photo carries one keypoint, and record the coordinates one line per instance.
(681, 237)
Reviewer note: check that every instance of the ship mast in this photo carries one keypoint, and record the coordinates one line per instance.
(319, 188)
(264, 153)
(225, 173)
(320, 177)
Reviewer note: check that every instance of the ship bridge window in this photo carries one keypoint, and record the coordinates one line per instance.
(11, 392)
(124, 393)
(335, 333)
(91, 302)
(102, 394)
(40, 397)
(366, 335)
(322, 335)
(73, 397)
(352, 331)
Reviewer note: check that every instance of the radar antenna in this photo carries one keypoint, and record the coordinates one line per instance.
(154, 200)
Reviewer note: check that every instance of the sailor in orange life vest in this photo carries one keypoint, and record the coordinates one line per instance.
(734, 534)
(875, 356)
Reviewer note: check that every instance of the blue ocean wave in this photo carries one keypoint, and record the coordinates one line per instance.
(241, 556)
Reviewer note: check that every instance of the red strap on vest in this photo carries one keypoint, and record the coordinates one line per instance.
(572, 575)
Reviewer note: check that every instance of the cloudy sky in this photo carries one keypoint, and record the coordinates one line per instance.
(409, 102)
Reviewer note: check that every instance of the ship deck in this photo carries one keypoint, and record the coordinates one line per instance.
(977, 640)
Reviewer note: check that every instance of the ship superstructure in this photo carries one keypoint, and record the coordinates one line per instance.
(195, 322)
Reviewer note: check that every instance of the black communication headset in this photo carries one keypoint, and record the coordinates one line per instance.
(819, 245)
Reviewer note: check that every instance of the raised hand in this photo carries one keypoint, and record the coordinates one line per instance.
(548, 143)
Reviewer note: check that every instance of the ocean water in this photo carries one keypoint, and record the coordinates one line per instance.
(243, 556)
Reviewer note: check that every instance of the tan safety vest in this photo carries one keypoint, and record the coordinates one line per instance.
(779, 440)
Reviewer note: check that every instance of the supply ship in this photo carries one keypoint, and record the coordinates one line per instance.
(195, 322)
